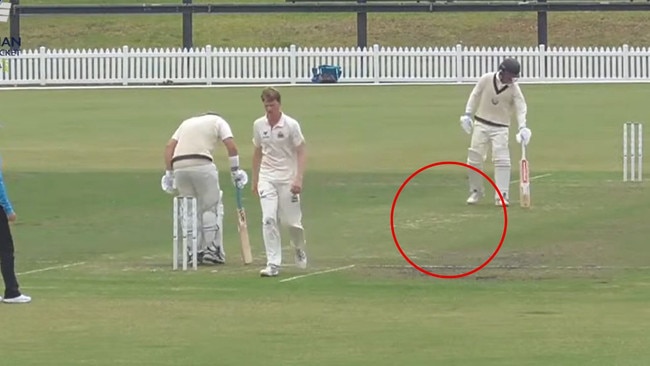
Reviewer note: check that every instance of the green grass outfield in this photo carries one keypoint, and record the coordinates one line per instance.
(568, 29)
(93, 239)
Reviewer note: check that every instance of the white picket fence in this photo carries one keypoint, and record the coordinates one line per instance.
(210, 66)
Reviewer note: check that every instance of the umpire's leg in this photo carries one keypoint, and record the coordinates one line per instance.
(7, 258)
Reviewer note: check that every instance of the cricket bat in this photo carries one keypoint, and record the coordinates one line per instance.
(242, 227)
(524, 179)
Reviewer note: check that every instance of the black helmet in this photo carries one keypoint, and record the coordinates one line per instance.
(511, 66)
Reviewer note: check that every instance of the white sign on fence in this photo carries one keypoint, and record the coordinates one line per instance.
(5, 9)
(377, 64)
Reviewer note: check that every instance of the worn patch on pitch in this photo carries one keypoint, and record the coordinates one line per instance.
(439, 220)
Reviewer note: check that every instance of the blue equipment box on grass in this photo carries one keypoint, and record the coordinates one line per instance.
(326, 74)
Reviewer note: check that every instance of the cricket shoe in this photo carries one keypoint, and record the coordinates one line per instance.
(271, 270)
(214, 256)
(20, 299)
(474, 197)
(199, 257)
(301, 258)
(497, 200)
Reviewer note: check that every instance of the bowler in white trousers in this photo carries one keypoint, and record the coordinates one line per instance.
(279, 160)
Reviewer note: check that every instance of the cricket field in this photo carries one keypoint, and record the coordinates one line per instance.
(570, 284)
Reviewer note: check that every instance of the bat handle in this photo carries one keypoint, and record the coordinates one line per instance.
(238, 195)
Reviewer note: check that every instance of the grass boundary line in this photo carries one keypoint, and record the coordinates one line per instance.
(318, 273)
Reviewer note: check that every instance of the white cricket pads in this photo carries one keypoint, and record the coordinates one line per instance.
(475, 159)
(502, 170)
(212, 229)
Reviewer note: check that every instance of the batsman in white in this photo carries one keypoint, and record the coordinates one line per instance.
(190, 171)
(495, 98)
(279, 160)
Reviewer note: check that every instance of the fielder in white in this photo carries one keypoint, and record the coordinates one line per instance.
(279, 162)
(495, 98)
(190, 171)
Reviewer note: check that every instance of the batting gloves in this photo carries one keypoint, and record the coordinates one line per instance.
(239, 176)
(466, 123)
(167, 182)
(523, 135)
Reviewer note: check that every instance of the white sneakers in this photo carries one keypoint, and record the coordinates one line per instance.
(476, 196)
(497, 201)
(22, 299)
(272, 270)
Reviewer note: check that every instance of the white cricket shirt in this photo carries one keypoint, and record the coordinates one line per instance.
(495, 102)
(279, 148)
(200, 135)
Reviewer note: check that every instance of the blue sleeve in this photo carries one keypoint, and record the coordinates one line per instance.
(4, 199)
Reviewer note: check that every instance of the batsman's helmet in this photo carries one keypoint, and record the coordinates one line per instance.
(511, 66)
